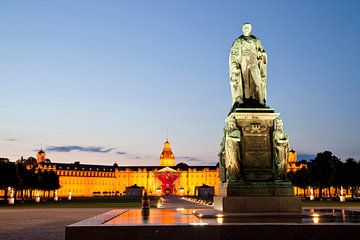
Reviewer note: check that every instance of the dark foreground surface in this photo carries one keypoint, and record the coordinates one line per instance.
(41, 224)
(211, 224)
(220, 232)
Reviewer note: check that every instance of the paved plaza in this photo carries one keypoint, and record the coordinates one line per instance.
(49, 223)
(41, 223)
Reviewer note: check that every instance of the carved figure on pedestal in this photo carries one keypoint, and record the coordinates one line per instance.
(248, 70)
(281, 150)
(232, 154)
(222, 158)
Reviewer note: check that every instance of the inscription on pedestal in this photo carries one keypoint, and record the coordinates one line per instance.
(256, 151)
(257, 159)
(256, 143)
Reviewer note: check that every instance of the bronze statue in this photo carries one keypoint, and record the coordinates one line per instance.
(232, 148)
(248, 70)
(281, 150)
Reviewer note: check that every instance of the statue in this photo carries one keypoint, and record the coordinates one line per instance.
(232, 154)
(248, 70)
(254, 150)
(222, 158)
(281, 150)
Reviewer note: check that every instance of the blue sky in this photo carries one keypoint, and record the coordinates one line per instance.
(101, 81)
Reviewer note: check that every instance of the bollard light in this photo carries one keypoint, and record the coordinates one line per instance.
(11, 199)
(37, 196)
(56, 196)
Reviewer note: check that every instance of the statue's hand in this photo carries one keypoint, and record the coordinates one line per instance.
(235, 71)
(235, 86)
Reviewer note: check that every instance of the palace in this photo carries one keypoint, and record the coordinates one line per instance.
(84, 180)
(87, 180)
(293, 164)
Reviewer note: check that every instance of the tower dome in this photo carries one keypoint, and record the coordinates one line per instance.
(167, 156)
(41, 156)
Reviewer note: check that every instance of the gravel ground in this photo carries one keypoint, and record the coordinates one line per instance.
(41, 223)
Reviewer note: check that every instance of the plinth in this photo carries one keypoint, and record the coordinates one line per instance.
(258, 187)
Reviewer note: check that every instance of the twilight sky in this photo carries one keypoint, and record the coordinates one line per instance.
(100, 81)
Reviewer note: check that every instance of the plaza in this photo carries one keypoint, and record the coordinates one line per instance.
(36, 223)
(49, 223)
(260, 99)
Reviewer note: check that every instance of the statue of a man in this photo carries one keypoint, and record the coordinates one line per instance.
(281, 150)
(232, 154)
(248, 69)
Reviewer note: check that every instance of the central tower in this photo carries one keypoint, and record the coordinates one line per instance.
(167, 158)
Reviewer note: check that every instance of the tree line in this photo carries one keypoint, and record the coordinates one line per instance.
(25, 178)
(328, 174)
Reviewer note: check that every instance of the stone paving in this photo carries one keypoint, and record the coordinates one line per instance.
(49, 223)
(41, 223)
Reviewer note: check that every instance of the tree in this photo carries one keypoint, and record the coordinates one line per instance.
(8, 175)
(48, 181)
(322, 171)
(300, 179)
(339, 176)
(352, 175)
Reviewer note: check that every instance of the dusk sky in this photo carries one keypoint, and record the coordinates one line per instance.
(100, 81)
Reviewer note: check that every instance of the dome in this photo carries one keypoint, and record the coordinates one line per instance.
(41, 151)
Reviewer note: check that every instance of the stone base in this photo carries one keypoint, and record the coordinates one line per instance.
(256, 189)
(258, 204)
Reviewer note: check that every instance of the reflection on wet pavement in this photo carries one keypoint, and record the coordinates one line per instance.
(157, 216)
(183, 216)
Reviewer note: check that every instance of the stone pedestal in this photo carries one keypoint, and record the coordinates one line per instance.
(256, 158)
(276, 204)
(258, 188)
(257, 197)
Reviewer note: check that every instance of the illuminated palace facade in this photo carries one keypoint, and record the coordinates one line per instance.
(84, 180)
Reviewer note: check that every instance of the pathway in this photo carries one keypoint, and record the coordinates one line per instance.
(176, 202)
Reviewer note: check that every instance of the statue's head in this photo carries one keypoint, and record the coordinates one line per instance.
(279, 124)
(246, 28)
(231, 122)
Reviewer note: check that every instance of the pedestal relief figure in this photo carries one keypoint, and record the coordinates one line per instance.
(222, 158)
(232, 154)
(281, 150)
(248, 70)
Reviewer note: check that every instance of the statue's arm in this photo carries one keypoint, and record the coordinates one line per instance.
(260, 47)
(280, 138)
(282, 142)
(234, 61)
(235, 135)
(261, 52)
